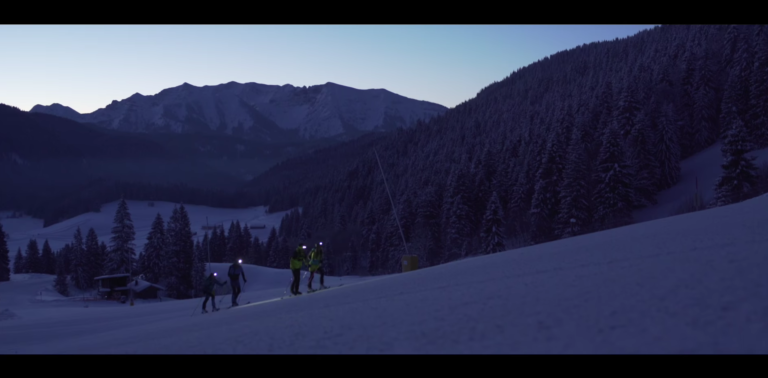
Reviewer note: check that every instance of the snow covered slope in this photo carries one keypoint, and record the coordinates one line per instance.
(30, 298)
(704, 167)
(693, 283)
(258, 110)
(20, 230)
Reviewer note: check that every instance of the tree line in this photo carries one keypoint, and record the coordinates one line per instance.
(170, 257)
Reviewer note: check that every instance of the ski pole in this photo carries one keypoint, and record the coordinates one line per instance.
(222, 298)
(290, 282)
(200, 305)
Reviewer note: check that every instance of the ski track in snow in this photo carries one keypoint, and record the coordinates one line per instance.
(694, 283)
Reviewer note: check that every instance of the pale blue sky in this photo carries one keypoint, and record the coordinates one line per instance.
(86, 67)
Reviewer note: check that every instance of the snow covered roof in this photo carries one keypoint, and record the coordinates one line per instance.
(140, 285)
(113, 276)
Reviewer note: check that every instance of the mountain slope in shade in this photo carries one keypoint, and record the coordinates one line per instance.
(259, 111)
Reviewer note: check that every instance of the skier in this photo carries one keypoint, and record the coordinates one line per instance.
(316, 264)
(235, 271)
(210, 291)
(297, 260)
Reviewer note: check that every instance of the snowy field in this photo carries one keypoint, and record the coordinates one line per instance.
(704, 167)
(694, 283)
(21, 230)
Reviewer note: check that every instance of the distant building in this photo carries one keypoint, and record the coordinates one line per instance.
(117, 286)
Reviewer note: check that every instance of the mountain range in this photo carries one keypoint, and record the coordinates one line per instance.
(258, 111)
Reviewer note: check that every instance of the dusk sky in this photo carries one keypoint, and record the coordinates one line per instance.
(86, 67)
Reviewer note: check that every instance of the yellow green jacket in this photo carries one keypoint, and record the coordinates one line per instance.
(315, 259)
(298, 259)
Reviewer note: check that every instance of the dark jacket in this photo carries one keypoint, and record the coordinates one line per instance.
(235, 271)
(210, 283)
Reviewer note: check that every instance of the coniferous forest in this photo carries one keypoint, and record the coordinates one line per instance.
(568, 145)
(170, 256)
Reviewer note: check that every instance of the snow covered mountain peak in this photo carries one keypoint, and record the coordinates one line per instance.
(258, 111)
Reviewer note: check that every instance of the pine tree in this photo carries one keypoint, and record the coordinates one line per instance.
(80, 262)
(305, 232)
(181, 250)
(18, 262)
(175, 287)
(154, 251)
(546, 199)
(732, 37)
(284, 252)
(736, 96)
(122, 255)
(644, 166)
(493, 225)
(206, 245)
(668, 149)
(685, 115)
(198, 275)
(104, 252)
(47, 259)
(93, 255)
(257, 252)
(32, 258)
(141, 264)
(739, 177)
(429, 222)
(627, 109)
(187, 248)
(234, 237)
(221, 245)
(65, 254)
(213, 246)
(271, 247)
(392, 247)
(341, 220)
(60, 283)
(758, 91)
(5, 258)
(613, 195)
(459, 214)
(574, 217)
(245, 243)
(374, 251)
(349, 266)
(705, 120)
